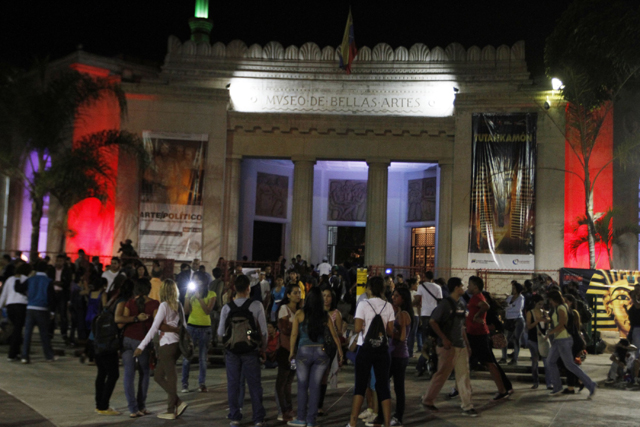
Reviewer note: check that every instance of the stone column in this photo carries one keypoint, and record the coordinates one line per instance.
(444, 225)
(231, 209)
(376, 232)
(302, 208)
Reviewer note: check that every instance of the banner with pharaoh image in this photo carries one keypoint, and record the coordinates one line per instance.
(170, 215)
(613, 291)
(502, 220)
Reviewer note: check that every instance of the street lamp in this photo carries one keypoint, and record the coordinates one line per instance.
(556, 84)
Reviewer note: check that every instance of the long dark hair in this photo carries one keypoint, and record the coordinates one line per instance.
(376, 284)
(334, 299)
(126, 290)
(315, 317)
(285, 301)
(141, 289)
(406, 302)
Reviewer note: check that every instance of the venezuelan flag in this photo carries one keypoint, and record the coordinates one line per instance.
(348, 50)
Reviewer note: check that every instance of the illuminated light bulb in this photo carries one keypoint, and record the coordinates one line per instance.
(556, 84)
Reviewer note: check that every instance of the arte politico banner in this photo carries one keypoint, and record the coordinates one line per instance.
(502, 220)
(171, 213)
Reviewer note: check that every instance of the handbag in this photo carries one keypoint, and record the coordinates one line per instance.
(498, 340)
(329, 346)
(543, 345)
(185, 343)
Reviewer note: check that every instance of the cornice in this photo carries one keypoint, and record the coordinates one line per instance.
(153, 91)
(337, 125)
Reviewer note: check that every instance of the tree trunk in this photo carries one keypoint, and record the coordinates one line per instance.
(37, 205)
(63, 232)
(591, 228)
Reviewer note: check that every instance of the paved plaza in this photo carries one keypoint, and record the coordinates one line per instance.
(61, 394)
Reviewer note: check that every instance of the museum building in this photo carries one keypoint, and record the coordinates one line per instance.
(262, 151)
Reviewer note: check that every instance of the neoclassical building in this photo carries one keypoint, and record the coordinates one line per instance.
(273, 150)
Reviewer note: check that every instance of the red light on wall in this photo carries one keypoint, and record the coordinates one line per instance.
(574, 199)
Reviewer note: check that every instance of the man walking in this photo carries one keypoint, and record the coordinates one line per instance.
(61, 276)
(243, 361)
(428, 297)
(40, 310)
(447, 321)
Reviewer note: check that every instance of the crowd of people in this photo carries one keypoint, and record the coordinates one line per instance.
(306, 323)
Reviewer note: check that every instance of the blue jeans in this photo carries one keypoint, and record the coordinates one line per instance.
(136, 402)
(514, 336)
(535, 359)
(561, 349)
(41, 318)
(248, 365)
(201, 338)
(311, 362)
(413, 334)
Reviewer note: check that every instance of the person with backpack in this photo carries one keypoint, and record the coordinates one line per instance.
(287, 308)
(448, 323)
(562, 346)
(374, 324)
(317, 335)
(331, 374)
(169, 319)
(478, 337)
(198, 305)
(136, 319)
(243, 330)
(537, 322)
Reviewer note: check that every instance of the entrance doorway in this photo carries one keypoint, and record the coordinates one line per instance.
(423, 247)
(267, 241)
(346, 244)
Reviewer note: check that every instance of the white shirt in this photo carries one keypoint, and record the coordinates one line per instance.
(415, 309)
(324, 268)
(365, 311)
(171, 318)
(265, 288)
(110, 276)
(429, 303)
(9, 294)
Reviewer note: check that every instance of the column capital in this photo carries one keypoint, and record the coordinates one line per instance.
(374, 162)
(297, 159)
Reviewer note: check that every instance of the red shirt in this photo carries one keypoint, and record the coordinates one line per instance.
(475, 328)
(272, 344)
(138, 330)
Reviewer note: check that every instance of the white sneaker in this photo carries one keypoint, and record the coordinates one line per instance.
(395, 422)
(185, 390)
(365, 414)
(371, 418)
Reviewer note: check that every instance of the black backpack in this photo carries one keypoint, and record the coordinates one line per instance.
(241, 335)
(106, 334)
(376, 337)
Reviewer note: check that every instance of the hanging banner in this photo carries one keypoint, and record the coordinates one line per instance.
(502, 221)
(613, 291)
(170, 217)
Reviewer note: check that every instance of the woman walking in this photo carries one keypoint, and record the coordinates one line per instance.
(514, 322)
(198, 305)
(137, 316)
(561, 347)
(288, 307)
(370, 356)
(312, 360)
(170, 316)
(331, 374)
(537, 324)
(16, 304)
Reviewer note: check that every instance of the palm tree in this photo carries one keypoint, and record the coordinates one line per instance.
(605, 234)
(38, 112)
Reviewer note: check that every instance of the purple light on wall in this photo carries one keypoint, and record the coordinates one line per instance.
(25, 218)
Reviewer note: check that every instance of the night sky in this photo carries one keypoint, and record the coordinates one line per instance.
(139, 29)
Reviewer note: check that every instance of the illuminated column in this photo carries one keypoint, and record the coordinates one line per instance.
(302, 208)
(376, 231)
(444, 226)
(200, 24)
(231, 208)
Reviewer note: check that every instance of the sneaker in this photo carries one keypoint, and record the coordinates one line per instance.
(502, 361)
(280, 417)
(203, 388)
(535, 386)
(609, 381)
(371, 418)
(234, 423)
(185, 389)
(567, 391)
(298, 423)
(167, 416)
(181, 408)
(470, 413)
(453, 393)
(395, 422)
(375, 422)
(593, 392)
(365, 414)
(109, 411)
(556, 393)
(52, 360)
(500, 396)
(24, 361)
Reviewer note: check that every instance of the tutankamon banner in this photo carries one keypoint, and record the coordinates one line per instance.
(170, 217)
(502, 221)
